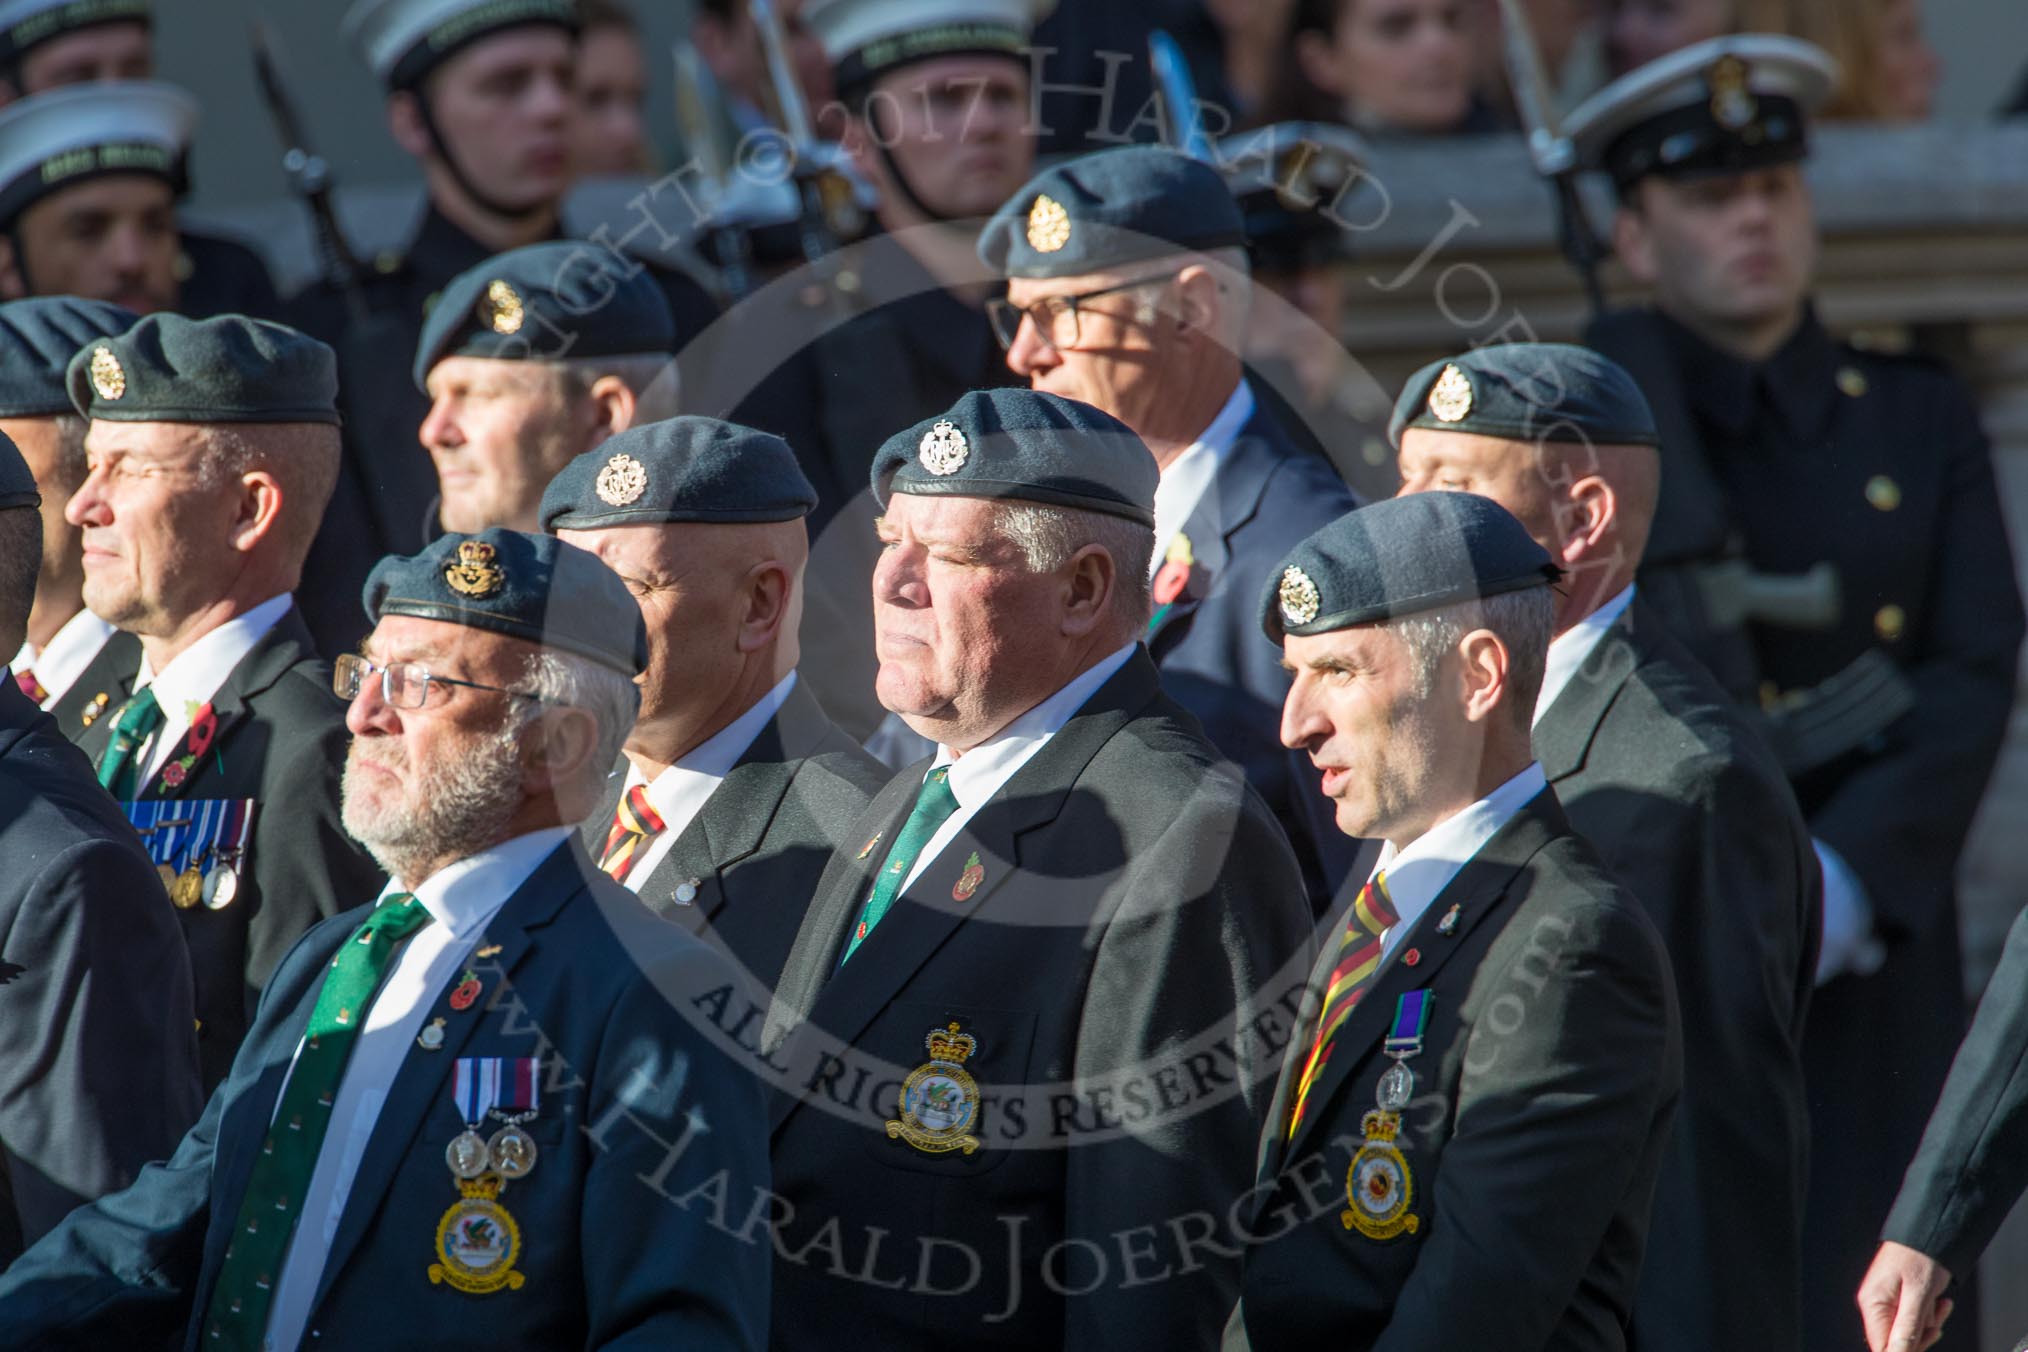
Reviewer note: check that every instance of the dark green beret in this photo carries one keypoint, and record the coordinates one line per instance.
(229, 369)
(1110, 209)
(532, 587)
(1533, 392)
(1402, 556)
(17, 485)
(38, 337)
(557, 301)
(27, 24)
(1025, 445)
(404, 40)
(683, 469)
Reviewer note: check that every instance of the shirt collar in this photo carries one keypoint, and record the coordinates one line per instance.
(466, 895)
(199, 670)
(712, 759)
(1567, 653)
(978, 774)
(69, 650)
(1417, 875)
(1183, 484)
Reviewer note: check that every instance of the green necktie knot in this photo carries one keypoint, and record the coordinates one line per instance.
(133, 725)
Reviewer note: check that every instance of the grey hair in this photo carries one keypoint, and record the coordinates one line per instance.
(1524, 622)
(72, 463)
(1047, 536)
(1234, 272)
(652, 376)
(613, 700)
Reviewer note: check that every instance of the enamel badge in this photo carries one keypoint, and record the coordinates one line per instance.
(478, 1241)
(939, 1100)
(1378, 1187)
(968, 881)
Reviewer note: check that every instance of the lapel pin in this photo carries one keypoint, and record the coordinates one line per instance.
(490, 951)
(1449, 924)
(1412, 957)
(686, 892)
(968, 881)
(467, 993)
(867, 848)
(432, 1037)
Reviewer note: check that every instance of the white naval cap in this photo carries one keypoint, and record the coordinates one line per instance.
(404, 40)
(52, 141)
(1724, 105)
(864, 39)
(27, 23)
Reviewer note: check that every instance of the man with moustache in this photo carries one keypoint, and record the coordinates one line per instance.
(1082, 915)
(98, 1060)
(1670, 782)
(1877, 624)
(735, 789)
(1128, 288)
(211, 453)
(69, 654)
(492, 1050)
(56, 44)
(1488, 1074)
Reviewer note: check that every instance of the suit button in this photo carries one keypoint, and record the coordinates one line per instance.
(1890, 622)
(1852, 381)
(1883, 493)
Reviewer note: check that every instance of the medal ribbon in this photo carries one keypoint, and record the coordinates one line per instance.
(481, 1084)
(178, 832)
(1411, 1017)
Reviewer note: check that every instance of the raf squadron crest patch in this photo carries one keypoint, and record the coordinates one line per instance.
(474, 573)
(943, 449)
(622, 481)
(1299, 598)
(1450, 399)
(1048, 225)
(109, 378)
(477, 1242)
(939, 1100)
(1379, 1189)
(501, 308)
(1732, 103)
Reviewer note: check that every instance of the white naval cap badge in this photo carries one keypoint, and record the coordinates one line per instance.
(1732, 103)
(943, 449)
(109, 378)
(1298, 597)
(622, 481)
(1450, 399)
(501, 308)
(1048, 225)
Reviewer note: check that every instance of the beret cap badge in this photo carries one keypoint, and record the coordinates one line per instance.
(943, 449)
(1450, 399)
(622, 481)
(474, 572)
(1299, 598)
(1048, 225)
(501, 308)
(1732, 104)
(109, 378)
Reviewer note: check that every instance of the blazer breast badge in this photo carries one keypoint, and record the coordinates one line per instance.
(1379, 1189)
(939, 1100)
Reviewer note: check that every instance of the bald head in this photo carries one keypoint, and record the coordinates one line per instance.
(723, 603)
(1590, 506)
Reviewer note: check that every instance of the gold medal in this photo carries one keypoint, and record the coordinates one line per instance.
(188, 889)
(512, 1152)
(467, 1155)
(167, 873)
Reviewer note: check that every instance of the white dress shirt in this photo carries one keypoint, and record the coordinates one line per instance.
(57, 665)
(1569, 649)
(1416, 875)
(462, 899)
(1189, 475)
(679, 792)
(198, 673)
(984, 770)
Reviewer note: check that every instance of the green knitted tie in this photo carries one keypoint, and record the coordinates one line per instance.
(273, 1201)
(933, 807)
(132, 726)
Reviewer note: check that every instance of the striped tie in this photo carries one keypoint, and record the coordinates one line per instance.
(634, 825)
(31, 687)
(1358, 960)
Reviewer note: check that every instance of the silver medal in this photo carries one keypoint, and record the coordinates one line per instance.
(1397, 1087)
(467, 1155)
(512, 1152)
(221, 885)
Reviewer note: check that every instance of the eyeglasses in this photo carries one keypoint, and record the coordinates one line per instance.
(404, 685)
(1055, 317)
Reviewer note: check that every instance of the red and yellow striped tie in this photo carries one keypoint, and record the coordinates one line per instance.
(1358, 959)
(634, 825)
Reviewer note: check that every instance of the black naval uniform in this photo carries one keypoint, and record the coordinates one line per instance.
(220, 276)
(1670, 783)
(386, 498)
(280, 741)
(1545, 1084)
(1876, 463)
(1134, 896)
(98, 1058)
(743, 870)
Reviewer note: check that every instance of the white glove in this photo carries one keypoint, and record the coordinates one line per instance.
(1849, 942)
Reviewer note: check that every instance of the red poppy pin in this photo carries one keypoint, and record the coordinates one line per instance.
(203, 727)
(1174, 574)
(467, 992)
(968, 881)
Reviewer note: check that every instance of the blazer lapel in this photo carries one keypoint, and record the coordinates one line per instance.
(1230, 501)
(1563, 735)
(556, 881)
(1476, 891)
(270, 658)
